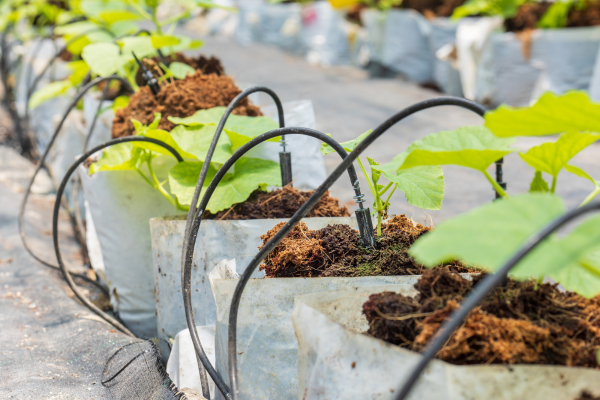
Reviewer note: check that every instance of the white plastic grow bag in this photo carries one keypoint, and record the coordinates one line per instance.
(399, 39)
(442, 42)
(103, 128)
(217, 240)
(324, 35)
(266, 343)
(121, 204)
(337, 361)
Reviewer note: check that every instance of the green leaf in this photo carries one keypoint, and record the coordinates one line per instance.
(141, 45)
(110, 17)
(162, 41)
(196, 140)
(165, 137)
(120, 157)
(556, 16)
(250, 174)
(582, 174)
(348, 146)
(422, 186)
(375, 175)
(181, 70)
(50, 91)
(79, 70)
(104, 59)
(240, 129)
(538, 184)
(471, 146)
(185, 43)
(552, 157)
(489, 235)
(551, 114)
(120, 102)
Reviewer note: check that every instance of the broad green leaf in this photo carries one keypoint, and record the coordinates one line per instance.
(141, 45)
(50, 91)
(556, 16)
(185, 43)
(250, 174)
(162, 41)
(471, 146)
(422, 186)
(551, 114)
(122, 156)
(552, 157)
(104, 59)
(582, 174)
(79, 70)
(211, 4)
(240, 129)
(181, 70)
(538, 184)
(348, 146)
(196, 140)
(120, 102)
(165, 137)
(75, 28)
(489, 235)
(110, 17)
(375, 175)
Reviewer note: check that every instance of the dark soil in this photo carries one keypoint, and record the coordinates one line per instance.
(335, 251)
(208, 66)
(589, 16)
(429, 8)
(527, 17)
(585, 395)
(280, 203)
(180, 98)
(522, 323)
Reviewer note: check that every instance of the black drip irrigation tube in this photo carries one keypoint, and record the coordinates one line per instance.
(481, 290)
(347, 164)
(39, 167)
(57, 205)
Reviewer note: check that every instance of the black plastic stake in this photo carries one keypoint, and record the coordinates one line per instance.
(363, 218)
(285, 161)
(148, 76)
(500, 175)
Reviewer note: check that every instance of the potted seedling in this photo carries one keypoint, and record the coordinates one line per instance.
(533, 330)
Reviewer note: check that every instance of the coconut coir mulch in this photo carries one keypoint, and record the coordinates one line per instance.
(335, 251)
(180, 98)
(522, 323)
(429, 8)
(280, 203)
(529, 15)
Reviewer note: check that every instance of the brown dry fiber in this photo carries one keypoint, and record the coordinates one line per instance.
(529, 15)
(181, 98)
(280, 203)
(335, 251)
(522, 323)
(429, 8)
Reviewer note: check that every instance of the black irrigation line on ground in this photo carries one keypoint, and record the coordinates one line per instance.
(40, 165)
(55, 216)
(483, 288)
(269, 246)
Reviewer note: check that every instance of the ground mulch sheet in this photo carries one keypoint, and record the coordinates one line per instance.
(520, 323)
(180, 98)
(280, 203)
(336, 251)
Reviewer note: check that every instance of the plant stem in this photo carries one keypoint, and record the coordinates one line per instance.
(131, 79)
(553, 188)
(390, 196)
(159, 186)
(497, 187)
(140, 9)
(364, 171)
(175, 18)
(385, 189)
(590, 197)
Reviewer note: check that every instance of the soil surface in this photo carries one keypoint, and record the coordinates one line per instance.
(180, 98)
(280, 203)
(589, 16)
(335, 251)
(429, 8)
(522, 323)
(530, 14)
(585, 395)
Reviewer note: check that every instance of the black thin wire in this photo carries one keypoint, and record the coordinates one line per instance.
(187, 271)
(59, 194)
(186, 255)
(39, 167)
(481, 290)
(305, 209)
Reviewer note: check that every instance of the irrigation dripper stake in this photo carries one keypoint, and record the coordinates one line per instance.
(148, 76)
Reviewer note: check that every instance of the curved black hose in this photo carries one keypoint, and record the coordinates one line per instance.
(481, 290)
(308, 205)
(39, 167)
(187, 271)
(59, 194)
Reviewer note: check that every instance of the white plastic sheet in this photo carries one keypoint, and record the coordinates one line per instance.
(442, 43)
(266, 343)
(337, 361)
(324, 35)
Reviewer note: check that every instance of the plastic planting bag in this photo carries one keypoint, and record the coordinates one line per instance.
(442, 42)
(324, 35)
(266, 344)
(337, 361)
(217, 240)
(399, 40)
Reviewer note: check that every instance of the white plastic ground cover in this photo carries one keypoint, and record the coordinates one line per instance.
(103, 128)
(442, 42)
(337, 361)
(266, 343)
(182, 366)
(216, 241)
(121, 204)
(399, 39)
(324, 35)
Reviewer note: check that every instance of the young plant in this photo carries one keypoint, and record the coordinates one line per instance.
(423, 186)
(557, 14)
(191, 138)
(502, 8)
